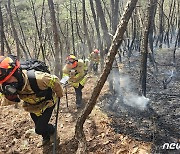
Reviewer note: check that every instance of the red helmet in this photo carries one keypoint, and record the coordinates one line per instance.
(71, 61)
(96, 51)
(8, 66)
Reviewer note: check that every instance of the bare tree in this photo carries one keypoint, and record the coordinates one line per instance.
(85, 27)
(72, 26)
(1, 31)
(151, 31)
(24, 39)
(104, 26)
(56, 38)
(77, 23)
(115, 13)
(161, 24)
(144, 50)
(96, 22)
(13, 29)
(117, 40)
(176, 44)
(39, 30)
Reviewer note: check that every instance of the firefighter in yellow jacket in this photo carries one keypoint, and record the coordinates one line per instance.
(94, 58)
(76, 70)
(15, 86)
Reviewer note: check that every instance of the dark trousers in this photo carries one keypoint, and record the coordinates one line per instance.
(95, 67)
(42, 126)
(78, 92)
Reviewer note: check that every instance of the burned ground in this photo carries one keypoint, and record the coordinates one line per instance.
(159, 122)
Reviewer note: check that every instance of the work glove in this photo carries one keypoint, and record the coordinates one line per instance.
(13, 98)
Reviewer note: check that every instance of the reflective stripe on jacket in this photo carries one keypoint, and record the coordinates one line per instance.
(77, 75)
(32, 103)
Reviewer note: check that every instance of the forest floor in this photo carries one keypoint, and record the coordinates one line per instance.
(114, 126)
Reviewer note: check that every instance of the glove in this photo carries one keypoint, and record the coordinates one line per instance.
(85, 72)
(13, 98)
(72, 73)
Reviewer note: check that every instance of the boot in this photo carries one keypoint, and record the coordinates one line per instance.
(44, 142)
(52, 136)
(48, 139)
(79, 106)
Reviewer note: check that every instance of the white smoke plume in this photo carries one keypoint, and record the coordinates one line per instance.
(136, 101)
(129, 97)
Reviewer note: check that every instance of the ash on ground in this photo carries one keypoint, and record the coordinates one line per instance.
(153, 119)
(157, 123)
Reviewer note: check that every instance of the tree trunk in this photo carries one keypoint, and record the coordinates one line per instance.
(26, 55)
(117, 40)
(178, 23)
(100, 46)
(100, 13)
(85, 27)
(175, 46)
(7, 44)
(1, 32)
(39, 32)
(107, 38)
(13, 29)
(77, 23)
(161, 22)
(58, 65)
(151, 31)
(115, 11)
(144, 50)
(72, 27)
(134, 33)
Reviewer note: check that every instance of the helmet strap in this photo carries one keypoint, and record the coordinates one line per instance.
(11, 73)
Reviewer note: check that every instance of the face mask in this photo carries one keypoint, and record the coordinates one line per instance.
(9, 88)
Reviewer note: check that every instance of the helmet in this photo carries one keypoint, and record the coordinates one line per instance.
(71, 61)
(96, 51)
(71, 57)
(8, 66)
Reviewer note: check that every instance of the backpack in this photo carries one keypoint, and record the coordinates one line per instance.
(31, 66)
(34, 64)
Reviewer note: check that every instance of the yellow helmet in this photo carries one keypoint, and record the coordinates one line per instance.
(71, 57)
(71, 61)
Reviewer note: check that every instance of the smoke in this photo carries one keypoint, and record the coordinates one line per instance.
(136, 101)
(129, 96)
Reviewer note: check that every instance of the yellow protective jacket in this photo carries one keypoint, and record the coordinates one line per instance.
(94, 57)
(30, 100)
(76, 75)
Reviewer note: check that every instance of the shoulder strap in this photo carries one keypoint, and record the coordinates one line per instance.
(34, 86)
(32, 81)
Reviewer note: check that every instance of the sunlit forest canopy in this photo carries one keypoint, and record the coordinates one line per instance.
(27, 26)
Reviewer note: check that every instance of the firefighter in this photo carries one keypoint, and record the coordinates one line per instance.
(15, 86)
(76, 70)
(94, 60)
